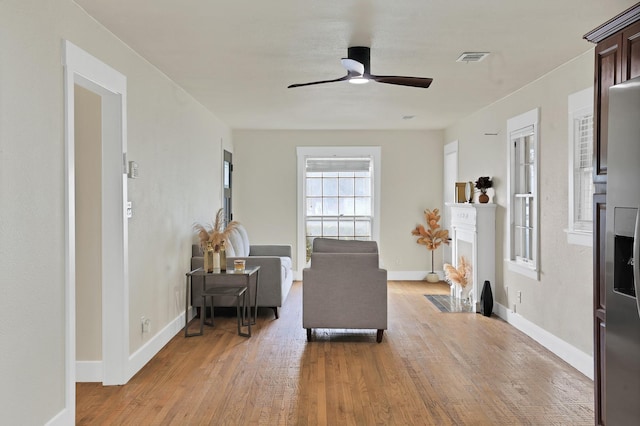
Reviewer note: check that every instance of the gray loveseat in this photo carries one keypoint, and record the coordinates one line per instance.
(344, 287)
(276, 275)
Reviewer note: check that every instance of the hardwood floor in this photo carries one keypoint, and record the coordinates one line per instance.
(431, 368)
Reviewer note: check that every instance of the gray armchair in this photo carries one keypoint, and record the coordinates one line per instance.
(344, 287)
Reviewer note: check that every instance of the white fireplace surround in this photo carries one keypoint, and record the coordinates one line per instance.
(473, 229)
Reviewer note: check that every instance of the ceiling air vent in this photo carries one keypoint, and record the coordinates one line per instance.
(472, 56)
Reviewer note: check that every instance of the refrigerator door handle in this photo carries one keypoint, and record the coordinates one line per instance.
(636, 261)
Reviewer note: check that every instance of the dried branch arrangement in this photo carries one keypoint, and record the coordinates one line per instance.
(215, 234)
(461, 275)
(434, 236)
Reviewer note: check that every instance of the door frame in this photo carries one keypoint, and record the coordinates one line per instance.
(227, 185)
(450, 149)
(86, 71)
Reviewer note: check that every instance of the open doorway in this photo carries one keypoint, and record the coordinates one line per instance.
(88, 211)
(96, 79)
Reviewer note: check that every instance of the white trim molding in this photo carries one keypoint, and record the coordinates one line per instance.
(567, 352)
(412, 275)
(142, 356)
(580, 106)
(524, 125)
(83, 69)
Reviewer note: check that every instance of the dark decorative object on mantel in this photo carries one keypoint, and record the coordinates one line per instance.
(486, 300)
(483, 183)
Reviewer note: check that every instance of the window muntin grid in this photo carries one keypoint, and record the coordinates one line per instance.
(582, 173)
(338, 204)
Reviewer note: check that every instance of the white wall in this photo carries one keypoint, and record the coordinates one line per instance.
(266, 195)
(177, 144)
(561, 302)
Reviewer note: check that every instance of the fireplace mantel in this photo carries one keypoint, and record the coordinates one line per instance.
(473, 235)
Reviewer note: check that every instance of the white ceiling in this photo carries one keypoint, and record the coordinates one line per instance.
(237, 57)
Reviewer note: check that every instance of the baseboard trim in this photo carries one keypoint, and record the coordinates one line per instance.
(567, 352)
(142, 356)
(411, 275)
(91, 371)
(63, 418)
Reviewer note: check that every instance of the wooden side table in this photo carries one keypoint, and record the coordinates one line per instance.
(229, 278)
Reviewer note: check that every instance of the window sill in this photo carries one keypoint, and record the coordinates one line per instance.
(579, 238)
(523, 270)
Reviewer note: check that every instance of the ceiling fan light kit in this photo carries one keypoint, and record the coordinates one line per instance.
(358, 80)
(358, 66)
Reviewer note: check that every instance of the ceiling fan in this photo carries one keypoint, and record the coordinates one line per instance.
(357, 65)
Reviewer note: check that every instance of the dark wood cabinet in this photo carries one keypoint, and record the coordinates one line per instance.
(617, 59)
(608, 73)
(631, 52)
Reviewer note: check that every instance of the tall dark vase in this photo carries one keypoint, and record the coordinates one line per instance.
(486, 300)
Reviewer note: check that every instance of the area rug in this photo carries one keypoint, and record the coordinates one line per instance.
(446, 303)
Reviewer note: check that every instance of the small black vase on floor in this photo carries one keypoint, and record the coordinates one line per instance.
(486, 300)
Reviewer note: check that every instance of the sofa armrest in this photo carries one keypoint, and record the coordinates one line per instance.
(271, 277)
(279, 250)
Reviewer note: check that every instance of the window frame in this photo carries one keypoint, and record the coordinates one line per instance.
(373, 152)
(580, 104)
(515, 127)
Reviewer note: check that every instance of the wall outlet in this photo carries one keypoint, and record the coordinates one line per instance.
(519, 297)
(146, 324)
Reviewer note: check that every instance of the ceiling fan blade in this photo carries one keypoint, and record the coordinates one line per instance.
(346, 77)
(353, 66)
(402, 81)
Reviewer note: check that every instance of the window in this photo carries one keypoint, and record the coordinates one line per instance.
(580, 168)
(523, 190)
(338, 203)
(337, 189)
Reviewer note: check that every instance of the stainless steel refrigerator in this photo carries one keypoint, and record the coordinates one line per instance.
(622, 354)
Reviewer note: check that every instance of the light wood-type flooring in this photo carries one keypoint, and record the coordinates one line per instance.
(431, 368)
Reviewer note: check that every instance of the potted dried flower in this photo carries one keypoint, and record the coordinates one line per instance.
(212, 241)
(461, 277)
(483, 183)
(432, 237)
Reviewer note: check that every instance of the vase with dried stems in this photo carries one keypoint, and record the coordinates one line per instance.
(431, 237)
(460, 277)
(212, 241)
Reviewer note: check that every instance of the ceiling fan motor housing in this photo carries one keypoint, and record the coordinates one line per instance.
(361, 54)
